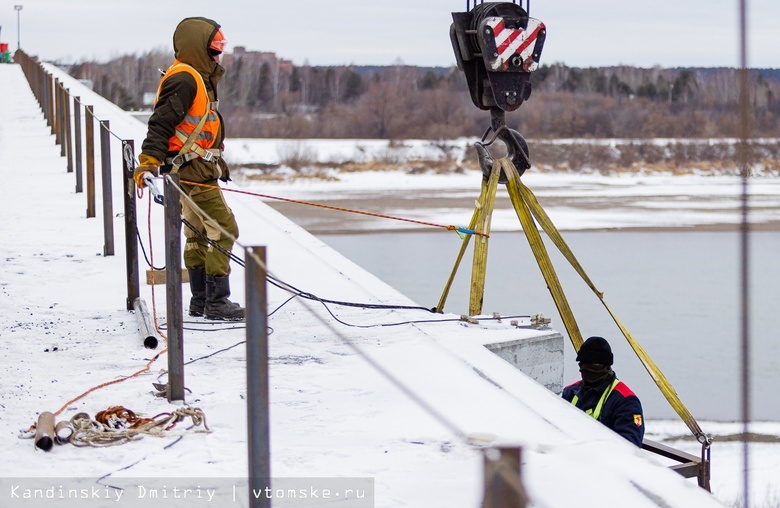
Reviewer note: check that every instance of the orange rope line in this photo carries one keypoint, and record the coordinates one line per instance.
(148, 366)
(339, 209)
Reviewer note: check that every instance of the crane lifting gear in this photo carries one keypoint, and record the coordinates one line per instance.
(497, 46)
(529, 212)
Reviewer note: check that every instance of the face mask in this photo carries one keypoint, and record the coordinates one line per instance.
(594, 373)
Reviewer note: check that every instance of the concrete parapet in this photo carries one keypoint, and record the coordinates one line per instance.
(539, 357)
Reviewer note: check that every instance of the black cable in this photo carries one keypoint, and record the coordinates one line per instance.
(164, 326)
(149, 263)
(298, 292)
(215, 353)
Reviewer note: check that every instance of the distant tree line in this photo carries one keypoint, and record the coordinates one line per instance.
(265, 96)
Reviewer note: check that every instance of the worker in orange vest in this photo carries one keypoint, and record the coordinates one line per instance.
(185, 136)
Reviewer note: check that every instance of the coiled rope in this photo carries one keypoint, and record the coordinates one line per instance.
(118, 425)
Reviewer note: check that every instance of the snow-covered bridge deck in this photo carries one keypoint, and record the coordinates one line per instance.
(65, 329)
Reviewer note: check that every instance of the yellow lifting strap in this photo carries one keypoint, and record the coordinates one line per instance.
(487, 196)
(484, 213)
(525, 204)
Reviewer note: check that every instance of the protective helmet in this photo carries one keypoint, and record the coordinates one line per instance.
(218, 42)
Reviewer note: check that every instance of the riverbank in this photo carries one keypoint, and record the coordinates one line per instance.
(574, 201)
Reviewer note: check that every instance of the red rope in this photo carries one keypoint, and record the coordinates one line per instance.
(336, 208)
(148, 366)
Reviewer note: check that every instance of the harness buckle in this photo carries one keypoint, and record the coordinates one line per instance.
(207, 156)
(178, 160)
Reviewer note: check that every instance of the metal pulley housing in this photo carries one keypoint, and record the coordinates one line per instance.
(497, 45)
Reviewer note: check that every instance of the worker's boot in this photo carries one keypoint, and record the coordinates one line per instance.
(218, 306)
(198, 289)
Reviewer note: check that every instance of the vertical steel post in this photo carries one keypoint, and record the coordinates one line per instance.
(131, 245)
(39, 87)
(44, 97)
(503, 487)
(105, 173)
(744, 157)
(51, 88)
(257, 375)
(173, 289)
(57, 102)
(61, 121)
(89, 119)
(68, 131)
(77, 142)
(61, 117)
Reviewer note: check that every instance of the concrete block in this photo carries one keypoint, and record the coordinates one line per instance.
(540, 357)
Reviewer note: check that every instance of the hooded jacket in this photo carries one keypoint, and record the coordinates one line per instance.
(176, 94)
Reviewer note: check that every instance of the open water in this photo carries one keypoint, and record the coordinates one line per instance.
(677, 292)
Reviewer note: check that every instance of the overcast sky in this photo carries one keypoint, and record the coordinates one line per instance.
(667, 33)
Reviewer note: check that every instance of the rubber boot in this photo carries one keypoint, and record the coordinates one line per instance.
(198, 289)
(218, 307)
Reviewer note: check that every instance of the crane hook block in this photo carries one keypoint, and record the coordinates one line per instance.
(497, 45)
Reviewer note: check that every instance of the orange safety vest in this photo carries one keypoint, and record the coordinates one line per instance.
(201, 114)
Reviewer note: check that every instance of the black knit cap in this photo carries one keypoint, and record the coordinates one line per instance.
(595, 350)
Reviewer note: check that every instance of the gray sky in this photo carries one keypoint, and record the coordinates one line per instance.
(667, 33)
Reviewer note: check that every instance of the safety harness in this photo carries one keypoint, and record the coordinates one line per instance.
(190, 150)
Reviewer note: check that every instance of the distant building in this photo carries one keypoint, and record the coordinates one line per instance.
(256, 58)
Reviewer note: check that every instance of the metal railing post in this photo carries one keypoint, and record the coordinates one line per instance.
(60, 137)
(503, 487)
(89, 119)
(131, 245)
(50, 88)
(77, 142)
(68, 131)
(257, 376)
(56, 102)
(108, 205)
(173, 289)
(51, 102)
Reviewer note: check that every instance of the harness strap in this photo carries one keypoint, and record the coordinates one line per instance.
(209, 155)
(596, 412)
(189, 142)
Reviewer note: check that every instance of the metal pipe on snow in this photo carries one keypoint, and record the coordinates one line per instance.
(145, 324)
(44, 431)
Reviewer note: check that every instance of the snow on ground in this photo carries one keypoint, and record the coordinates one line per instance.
(66, 329)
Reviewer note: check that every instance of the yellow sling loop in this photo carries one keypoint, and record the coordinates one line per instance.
(596, 412)
(484, 205)
(525, 204)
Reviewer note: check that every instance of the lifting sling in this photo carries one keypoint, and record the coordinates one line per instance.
(528, 211)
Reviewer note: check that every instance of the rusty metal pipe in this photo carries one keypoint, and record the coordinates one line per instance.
(64, 431)
(145, 325)
(44, 431)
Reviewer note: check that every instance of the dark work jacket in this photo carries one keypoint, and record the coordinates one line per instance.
(191, 41)
(622, 411)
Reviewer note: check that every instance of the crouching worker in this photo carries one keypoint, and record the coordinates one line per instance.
(185, 135)
(601, 395)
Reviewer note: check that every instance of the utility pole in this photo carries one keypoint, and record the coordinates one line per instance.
(18, 9)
